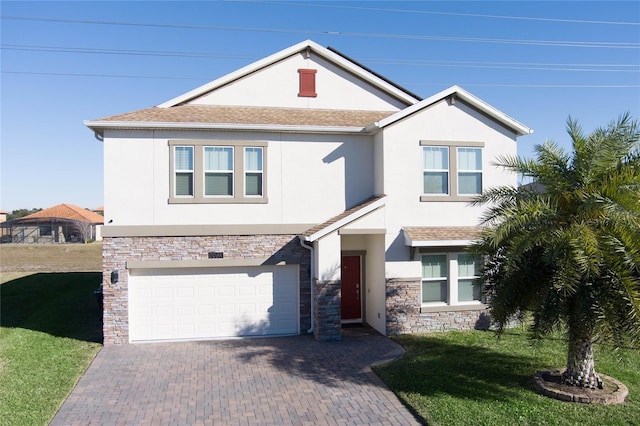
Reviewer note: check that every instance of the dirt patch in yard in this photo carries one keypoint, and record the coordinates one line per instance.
(21, 259)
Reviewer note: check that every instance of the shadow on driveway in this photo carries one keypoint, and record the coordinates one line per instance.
(281, 380)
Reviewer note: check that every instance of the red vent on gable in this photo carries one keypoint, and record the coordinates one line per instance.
(307, 83)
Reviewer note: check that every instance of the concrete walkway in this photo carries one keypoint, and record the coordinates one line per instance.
(272, 381)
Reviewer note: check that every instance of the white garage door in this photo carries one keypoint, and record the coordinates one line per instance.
(174, 304)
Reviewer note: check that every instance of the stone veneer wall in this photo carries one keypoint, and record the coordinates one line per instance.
(116, 251)
(327, 315)
(404, 316)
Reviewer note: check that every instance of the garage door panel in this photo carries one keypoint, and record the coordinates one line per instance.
(225, 291)
(185, 292)
(222, 302)
(207, 292)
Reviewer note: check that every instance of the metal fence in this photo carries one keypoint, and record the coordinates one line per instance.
(46, 231)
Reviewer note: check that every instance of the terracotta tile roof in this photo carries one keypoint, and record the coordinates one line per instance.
(342, 215)
(67, 211)
(250, 115)
(442, 233)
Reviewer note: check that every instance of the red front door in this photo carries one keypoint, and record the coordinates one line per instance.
(351, 288)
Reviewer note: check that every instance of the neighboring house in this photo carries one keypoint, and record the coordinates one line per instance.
(4, 233)
(295, 194)
(63, 223)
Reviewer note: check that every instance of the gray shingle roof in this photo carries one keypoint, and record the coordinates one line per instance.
(442, 233)
(342, 215)
(250, 115)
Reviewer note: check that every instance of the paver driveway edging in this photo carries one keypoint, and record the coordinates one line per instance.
(272, 381)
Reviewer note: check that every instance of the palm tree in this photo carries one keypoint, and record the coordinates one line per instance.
(566, 247)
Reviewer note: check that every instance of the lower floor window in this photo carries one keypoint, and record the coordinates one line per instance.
(450, 278)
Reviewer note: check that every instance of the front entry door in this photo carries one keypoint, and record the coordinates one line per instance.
(351, 288)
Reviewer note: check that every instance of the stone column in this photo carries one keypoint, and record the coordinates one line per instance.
(327, 315)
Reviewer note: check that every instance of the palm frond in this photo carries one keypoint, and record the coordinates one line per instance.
(567, 247)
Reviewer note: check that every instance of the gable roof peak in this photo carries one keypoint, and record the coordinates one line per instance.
(327, 54)
(456, 92)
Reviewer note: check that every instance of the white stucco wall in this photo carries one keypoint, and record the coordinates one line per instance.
(374, 220)
(130, 180)
(403, 173)
(278, 85)
(375, 297)
(310, 178)
(329, 259)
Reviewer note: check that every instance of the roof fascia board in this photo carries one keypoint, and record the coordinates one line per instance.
(484, 107)
(366, 75)
(99, 126)
(436, 243)
(285, 53)
(346, 220)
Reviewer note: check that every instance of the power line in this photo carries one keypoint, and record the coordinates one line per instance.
(133, 52)
(65, 74)
(429, 12)
(555, 43)
(609, 86)
(620, 68)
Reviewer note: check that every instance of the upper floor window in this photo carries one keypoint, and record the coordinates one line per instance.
(220, 172)
(183, 169)
(469, 171)
(451, 171)
(253, 171)
(435, 161)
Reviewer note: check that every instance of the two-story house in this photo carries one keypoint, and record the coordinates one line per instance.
(293, 195)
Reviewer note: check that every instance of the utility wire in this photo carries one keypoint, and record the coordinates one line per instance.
(620, 68)
(68, 74)
(68, 49)
(555, 43)
(430, 12)
(610, 86)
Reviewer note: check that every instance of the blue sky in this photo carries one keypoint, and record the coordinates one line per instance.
(65, 62)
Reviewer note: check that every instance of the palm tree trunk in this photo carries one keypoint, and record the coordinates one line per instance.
(581, 369)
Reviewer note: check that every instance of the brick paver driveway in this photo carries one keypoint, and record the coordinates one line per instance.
(271, 381)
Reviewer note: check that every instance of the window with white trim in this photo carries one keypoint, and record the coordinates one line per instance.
(183, 166)
(469, 171)
(451, 171)
(450, 279)
(435, 173)
(434, 278)
(469, 288)
(220, 172)
(253, 172)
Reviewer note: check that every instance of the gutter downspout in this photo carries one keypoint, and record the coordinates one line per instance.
(310, 248)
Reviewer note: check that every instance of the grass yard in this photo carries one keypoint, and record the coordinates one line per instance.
(50, 327)
(475, 379)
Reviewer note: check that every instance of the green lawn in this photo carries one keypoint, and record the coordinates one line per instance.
(50, 331)
(475, 379)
